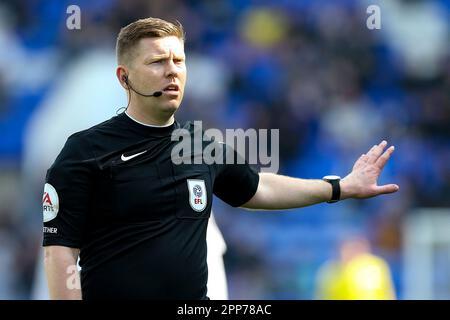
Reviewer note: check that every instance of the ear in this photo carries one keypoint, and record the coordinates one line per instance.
(122, 76)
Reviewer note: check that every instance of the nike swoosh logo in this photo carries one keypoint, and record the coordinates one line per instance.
(125, 158)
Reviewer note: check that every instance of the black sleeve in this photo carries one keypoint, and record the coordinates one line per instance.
(235, 183)
(66, 194)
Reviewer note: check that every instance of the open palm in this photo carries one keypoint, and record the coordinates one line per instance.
(362, 181)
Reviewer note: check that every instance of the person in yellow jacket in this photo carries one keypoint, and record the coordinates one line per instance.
(358, 275)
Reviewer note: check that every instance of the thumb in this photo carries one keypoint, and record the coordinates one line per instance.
(387, 188)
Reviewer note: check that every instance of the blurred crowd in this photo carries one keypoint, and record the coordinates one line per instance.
(310, 68)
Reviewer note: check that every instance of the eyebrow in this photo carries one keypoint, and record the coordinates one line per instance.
(163, 56)
(158, 56)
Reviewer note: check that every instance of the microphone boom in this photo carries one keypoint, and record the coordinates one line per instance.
(155, 94)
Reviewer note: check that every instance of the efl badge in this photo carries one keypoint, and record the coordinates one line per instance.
(197, 194)
(50, 203)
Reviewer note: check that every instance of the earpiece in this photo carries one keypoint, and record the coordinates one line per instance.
(125, 79)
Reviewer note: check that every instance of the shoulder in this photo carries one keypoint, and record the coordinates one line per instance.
(98, 129)
(189, 129)
(187, 125)
(83, 137)
(78, 145)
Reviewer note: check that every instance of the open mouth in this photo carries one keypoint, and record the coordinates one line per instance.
(172, 88)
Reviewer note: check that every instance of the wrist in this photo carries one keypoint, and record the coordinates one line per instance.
(345, 189)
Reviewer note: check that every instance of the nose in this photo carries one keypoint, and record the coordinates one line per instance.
(172, 69)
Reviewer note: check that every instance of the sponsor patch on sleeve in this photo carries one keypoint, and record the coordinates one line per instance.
(50, 202)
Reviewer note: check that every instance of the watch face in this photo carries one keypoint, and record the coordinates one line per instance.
(332, 177)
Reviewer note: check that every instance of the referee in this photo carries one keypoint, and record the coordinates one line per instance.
(137, 222)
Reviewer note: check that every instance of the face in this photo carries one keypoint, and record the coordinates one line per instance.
(353, 248)
(159, 65)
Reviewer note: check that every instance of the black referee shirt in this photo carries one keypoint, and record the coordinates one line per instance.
(139, 220)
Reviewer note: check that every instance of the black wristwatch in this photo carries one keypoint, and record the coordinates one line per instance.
(334, 181)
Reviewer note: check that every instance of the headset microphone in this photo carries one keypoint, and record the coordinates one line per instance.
(155, 94)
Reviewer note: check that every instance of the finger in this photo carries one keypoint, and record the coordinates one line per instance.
(387, 188)
(383, 159)
(370, 153)
(376, 151)
(361, 160)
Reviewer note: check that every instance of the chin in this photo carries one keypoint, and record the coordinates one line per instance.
(171, 107)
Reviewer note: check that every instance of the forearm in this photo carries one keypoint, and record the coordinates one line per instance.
(62, 275)
(277, 192)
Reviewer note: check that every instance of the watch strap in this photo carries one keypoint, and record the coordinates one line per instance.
(336, 190)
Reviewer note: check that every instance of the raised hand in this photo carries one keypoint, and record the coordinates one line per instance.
(362, 181)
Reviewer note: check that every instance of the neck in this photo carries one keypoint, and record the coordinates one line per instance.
(138, 114)
(146, 124)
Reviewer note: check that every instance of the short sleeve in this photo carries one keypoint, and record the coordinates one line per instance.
(67, 191)
(235, 182)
